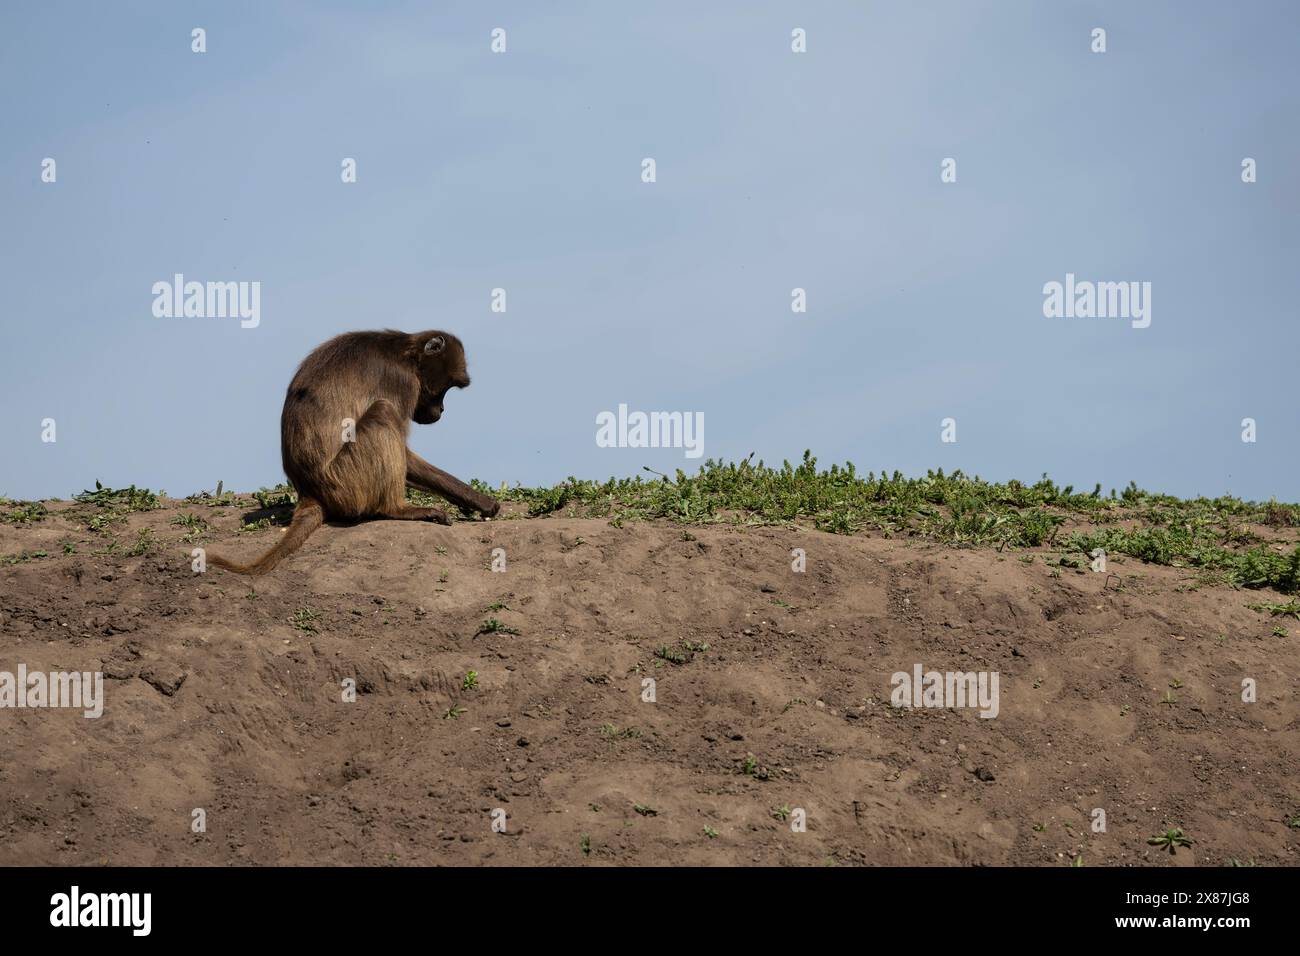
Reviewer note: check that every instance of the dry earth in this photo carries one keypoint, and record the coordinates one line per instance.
(215, 700)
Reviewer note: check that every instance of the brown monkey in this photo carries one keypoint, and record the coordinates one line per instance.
(381, 382)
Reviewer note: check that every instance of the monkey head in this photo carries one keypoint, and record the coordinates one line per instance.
(440, 365)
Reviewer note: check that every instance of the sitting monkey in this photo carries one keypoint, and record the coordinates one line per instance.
(343, 434)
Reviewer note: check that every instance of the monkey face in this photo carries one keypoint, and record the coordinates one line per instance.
(440, 362)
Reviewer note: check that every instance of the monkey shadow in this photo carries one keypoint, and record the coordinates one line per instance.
(280, 515)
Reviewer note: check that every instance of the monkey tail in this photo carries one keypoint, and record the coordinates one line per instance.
(307, 517)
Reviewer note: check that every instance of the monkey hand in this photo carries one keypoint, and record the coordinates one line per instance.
(436, 515)
(487, 507)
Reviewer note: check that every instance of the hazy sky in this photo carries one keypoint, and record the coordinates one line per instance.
(775, 170)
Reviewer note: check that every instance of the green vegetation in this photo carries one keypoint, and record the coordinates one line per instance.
(22, 512)
(304, 619)
(1224, 540)
(195, 526)
(281, 496)
(750, 767)
(222, 499)
(1291, 609)
(613, 732)
(671, 655)
(114, 505)
(121, 499)
(145, 543)
(1170, 840)
(1211, 535)
(22, 557)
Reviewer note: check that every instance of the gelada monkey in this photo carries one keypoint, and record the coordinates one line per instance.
(343, 434)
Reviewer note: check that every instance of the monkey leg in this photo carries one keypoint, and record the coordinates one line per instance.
(420, 474)
(414, 513)
(368, 476)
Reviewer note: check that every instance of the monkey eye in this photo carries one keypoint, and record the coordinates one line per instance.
(434, 345)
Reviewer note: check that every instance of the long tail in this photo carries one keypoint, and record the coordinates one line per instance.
(307, 517)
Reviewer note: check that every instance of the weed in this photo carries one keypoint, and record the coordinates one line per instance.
(24, 512)
(1170, 840)
(304, 619)
(23, 557)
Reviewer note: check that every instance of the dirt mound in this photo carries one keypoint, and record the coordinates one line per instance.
(1120, 692)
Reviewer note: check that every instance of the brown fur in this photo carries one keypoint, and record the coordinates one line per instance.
(382, 381)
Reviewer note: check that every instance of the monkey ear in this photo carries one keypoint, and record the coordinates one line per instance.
(435, 344)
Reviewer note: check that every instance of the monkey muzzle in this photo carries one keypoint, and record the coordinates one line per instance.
(427, 414)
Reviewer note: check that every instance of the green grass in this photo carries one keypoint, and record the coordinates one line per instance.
(1223, 541)
(1211, 535)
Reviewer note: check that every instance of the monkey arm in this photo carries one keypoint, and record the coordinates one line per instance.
(420, 474)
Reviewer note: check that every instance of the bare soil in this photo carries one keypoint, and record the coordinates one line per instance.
(1119, 692)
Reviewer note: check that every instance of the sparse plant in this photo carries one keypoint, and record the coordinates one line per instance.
(145, 543)
(750, 767)
(615, 733)
(23, 512)
(23, 557)
(1170, 840)
(195, 526)
(122, 499)
(304, 619)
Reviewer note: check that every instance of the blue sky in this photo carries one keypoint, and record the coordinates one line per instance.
(775, 170)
